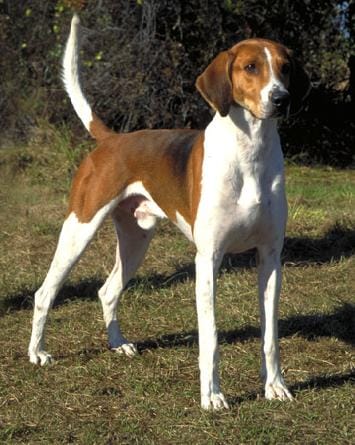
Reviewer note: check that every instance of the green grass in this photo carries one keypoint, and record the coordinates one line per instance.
(93, 396)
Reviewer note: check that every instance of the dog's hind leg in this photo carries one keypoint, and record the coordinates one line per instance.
(74, 238)
(132, 244)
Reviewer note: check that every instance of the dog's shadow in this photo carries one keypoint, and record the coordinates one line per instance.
(314, 383)
(339, 324)
(336, 244)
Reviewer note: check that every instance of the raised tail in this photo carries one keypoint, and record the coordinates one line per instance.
(71, 80)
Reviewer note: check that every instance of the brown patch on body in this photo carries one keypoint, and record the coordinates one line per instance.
(167, 162)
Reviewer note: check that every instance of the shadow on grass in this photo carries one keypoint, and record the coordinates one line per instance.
(325, 381)
(83, 290)
(316, 383)
(339, 324)
(338, 242)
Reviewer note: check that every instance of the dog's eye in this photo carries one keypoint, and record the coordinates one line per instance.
(285, 69)
(251, 68)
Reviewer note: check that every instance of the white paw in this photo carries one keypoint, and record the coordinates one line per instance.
(40, 358)
(126, 349)
(214, 401)
(277, 390)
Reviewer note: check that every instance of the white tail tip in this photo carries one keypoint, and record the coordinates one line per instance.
(71, 75)
(75, 21)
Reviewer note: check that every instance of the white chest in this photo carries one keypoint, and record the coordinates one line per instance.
(242, 195)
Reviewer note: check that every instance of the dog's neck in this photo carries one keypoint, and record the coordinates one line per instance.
(245, 138)
(243, 151)
(248, 125)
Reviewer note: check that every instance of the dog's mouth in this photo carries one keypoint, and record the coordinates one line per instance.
(267, 111)
(275, 112)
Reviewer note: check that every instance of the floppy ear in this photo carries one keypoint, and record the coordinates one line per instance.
(215, 84)
(300, 86)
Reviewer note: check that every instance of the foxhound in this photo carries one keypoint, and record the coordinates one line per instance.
(222, 187)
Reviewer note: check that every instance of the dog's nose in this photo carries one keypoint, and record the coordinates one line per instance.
(280, 98)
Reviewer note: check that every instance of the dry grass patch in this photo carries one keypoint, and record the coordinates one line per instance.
(91, 395)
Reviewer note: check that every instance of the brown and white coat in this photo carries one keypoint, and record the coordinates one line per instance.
(223, 187)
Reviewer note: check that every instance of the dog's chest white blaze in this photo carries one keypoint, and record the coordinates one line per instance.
(242, 197)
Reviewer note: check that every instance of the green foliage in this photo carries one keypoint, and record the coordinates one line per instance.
(141, 59)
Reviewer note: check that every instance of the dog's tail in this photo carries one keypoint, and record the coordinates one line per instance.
(71, 80)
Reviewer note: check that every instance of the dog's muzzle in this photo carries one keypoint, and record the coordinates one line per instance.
(280, 100)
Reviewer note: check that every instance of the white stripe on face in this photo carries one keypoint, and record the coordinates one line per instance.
(273, 84)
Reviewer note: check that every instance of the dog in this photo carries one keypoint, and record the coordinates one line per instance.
(222, 187)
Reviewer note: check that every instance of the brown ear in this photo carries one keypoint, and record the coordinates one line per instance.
(215, 84)
(300, 86)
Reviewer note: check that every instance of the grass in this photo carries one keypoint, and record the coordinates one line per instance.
(93, 396)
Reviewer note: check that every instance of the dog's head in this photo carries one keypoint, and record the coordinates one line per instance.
(259, 75)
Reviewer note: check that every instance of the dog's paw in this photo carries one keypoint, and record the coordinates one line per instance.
(277, 390)
(128, 349)
(40, 358)
(214, 401)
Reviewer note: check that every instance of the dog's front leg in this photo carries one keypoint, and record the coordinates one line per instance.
(269, 281)
(206, 270)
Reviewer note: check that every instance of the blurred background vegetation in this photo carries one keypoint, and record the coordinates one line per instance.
(141, 57)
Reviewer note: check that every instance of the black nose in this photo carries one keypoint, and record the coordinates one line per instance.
(281, 99)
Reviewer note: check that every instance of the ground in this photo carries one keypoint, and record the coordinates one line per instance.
(91, 395)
